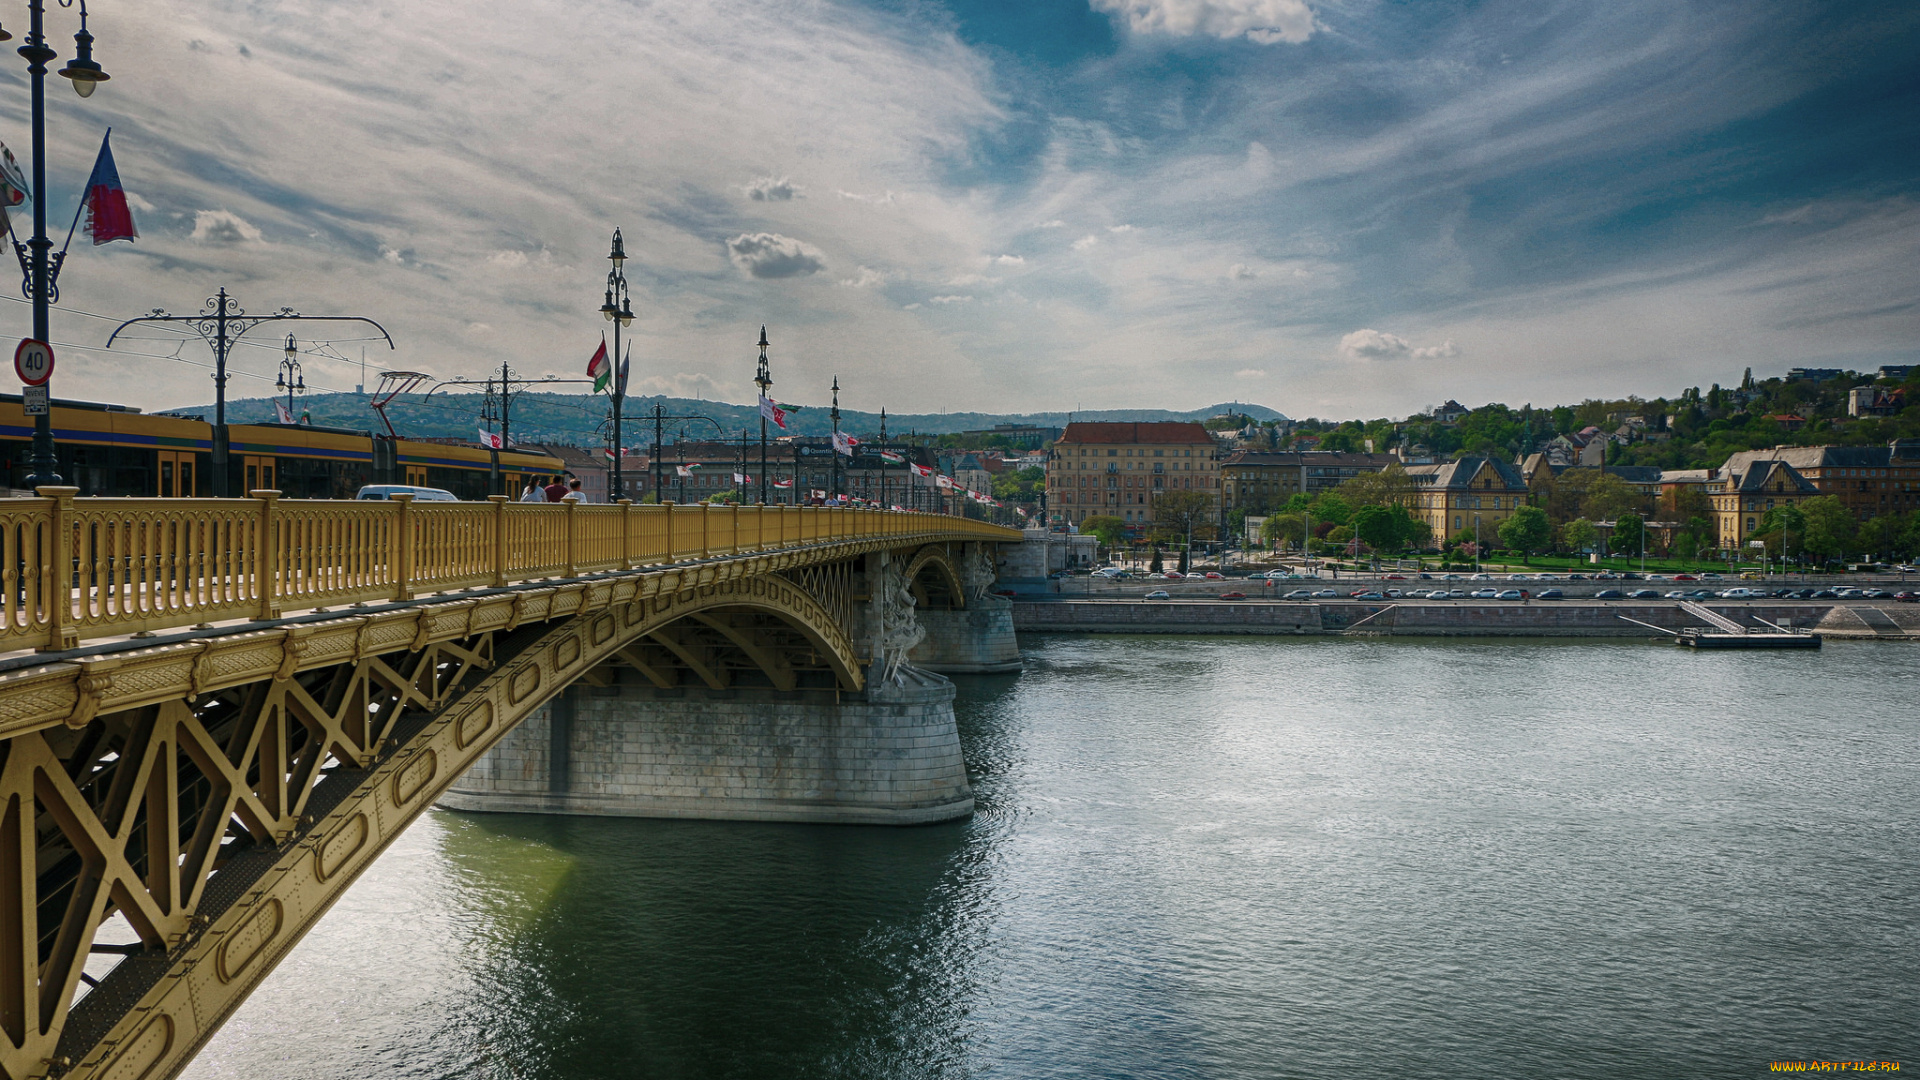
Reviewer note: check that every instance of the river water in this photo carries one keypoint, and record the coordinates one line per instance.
(1199, 858)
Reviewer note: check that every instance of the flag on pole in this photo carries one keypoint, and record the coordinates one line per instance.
(817, 493)
(945, 482)
(488, 438)
(306, 417)
(921, 470)
(687, 470)
(281, 413)
(13, 186)
(894, 456)
(898, 508)
(598, 369)
(626, 366)
(844, 443)
(773, 412)
(108, 216)
(783, 484)
(742, 478)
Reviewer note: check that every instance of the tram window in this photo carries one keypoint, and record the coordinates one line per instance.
(266, 476)
(253, 478)
(167, 490)
(186, 479)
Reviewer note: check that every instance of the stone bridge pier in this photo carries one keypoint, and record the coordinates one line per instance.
(707, 718)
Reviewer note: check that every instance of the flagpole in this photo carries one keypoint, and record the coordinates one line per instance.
(764, 380)
(37, 54)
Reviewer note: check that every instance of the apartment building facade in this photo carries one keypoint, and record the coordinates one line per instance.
(1118, 469)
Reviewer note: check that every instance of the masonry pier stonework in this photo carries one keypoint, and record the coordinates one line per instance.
(628, 743)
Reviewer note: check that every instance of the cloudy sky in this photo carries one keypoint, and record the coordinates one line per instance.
(1332, 208)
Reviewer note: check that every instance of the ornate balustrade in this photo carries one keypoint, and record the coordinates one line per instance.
(86, 568)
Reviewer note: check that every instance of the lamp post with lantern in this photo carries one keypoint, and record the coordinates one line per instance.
(40, 271)
(290, 379)
(618, 310)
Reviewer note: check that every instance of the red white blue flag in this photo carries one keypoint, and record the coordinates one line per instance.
(108, 216)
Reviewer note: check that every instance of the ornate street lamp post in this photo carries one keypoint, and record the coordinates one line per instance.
(290, 379)
(764, 380)
(618, 310)
(42, 272)
(833, 460)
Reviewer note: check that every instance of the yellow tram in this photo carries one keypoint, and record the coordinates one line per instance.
(118, 450)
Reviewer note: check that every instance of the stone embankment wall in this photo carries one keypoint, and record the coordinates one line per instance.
(1451, 619)
(890, 755)
(974, 640)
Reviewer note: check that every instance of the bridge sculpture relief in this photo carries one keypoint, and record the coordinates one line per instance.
(219, 712)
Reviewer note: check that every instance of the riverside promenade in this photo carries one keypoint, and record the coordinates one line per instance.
(1453, 618)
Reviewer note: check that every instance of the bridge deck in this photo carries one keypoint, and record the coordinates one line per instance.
(75, 569)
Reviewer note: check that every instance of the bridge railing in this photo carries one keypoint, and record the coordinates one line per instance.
(77, 568)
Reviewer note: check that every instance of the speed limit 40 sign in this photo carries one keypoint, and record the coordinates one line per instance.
(33, 361)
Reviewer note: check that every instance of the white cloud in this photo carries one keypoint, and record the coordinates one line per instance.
(1056, 223)
(1242, 272)
(770, 255)
(885, 198)
(1250, 373)
(479, 329)
(1264, 21)
(1085, 242)
(1010, 260)
(678, 384)
(864, 278)
(771, 189)
(949, 299)
(222, 227)
(1377, 345)
(965, 280)
(1122, 228)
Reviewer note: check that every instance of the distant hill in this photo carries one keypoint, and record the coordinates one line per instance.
(574, 418)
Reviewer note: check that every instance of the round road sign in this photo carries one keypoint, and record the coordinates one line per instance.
(33, 361)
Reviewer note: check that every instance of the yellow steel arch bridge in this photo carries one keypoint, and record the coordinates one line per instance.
(214, 714)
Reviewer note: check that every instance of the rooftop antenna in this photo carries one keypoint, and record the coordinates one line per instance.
(361, 386)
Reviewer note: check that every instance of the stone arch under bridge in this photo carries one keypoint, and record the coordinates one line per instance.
(174, 818)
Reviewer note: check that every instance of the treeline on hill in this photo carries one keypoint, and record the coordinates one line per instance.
(1695, 430)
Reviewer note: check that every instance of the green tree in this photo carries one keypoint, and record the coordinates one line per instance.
(1179, 514)
(1786, 529)
(1333, 509)
(1830, 526)
(1377, 528)
(1289, 528)
(1389, 487)
(1156, 564)
(1626, 538)
(1527, 531)
(1608, 496)
(1105, 526)
(1579, 535)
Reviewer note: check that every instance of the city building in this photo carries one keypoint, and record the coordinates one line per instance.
(1020, 436)
(1450, 413)
(1875, 401)
(1813, 374)
(1266, 479)
(1452, 495)
(1118, 468)
(1745, 488)
(1894, 372)
(1868, 480)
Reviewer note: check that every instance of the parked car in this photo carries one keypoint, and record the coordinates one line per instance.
(1877, 594)
(1519, 577)
(1510, 594)
(420, 494)
(1327, 594)
(1549, 594)
(1700, 594)
(1394, 577)
(1710, 577)
(1644, 594)
(1158, 594)
(1056, 575)
(1481, 577)
(1737, 594)
(1633, 576)
(1298, 594)
(1609, 594)
(1174, 575)
(1233, 596)
(1906, 597)
(1368, 595)
(1685, 577)
(1677, 594)
(1485, 594)
(1825, 594)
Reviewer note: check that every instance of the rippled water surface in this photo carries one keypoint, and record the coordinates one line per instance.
(1200, 858)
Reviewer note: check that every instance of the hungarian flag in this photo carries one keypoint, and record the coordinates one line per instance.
(598, 369)
(687, 470)
(783, 484)
(897, 507)
(742, 478)
(921, 470)
(281, 413)
(488, 438)
(773, 412)
(108, 217)
(844, 443)
(945, 482)
(817, 493)
(13, 186)
(894, 456)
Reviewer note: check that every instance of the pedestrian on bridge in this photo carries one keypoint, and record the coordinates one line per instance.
(535, 492)
(556, 490)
